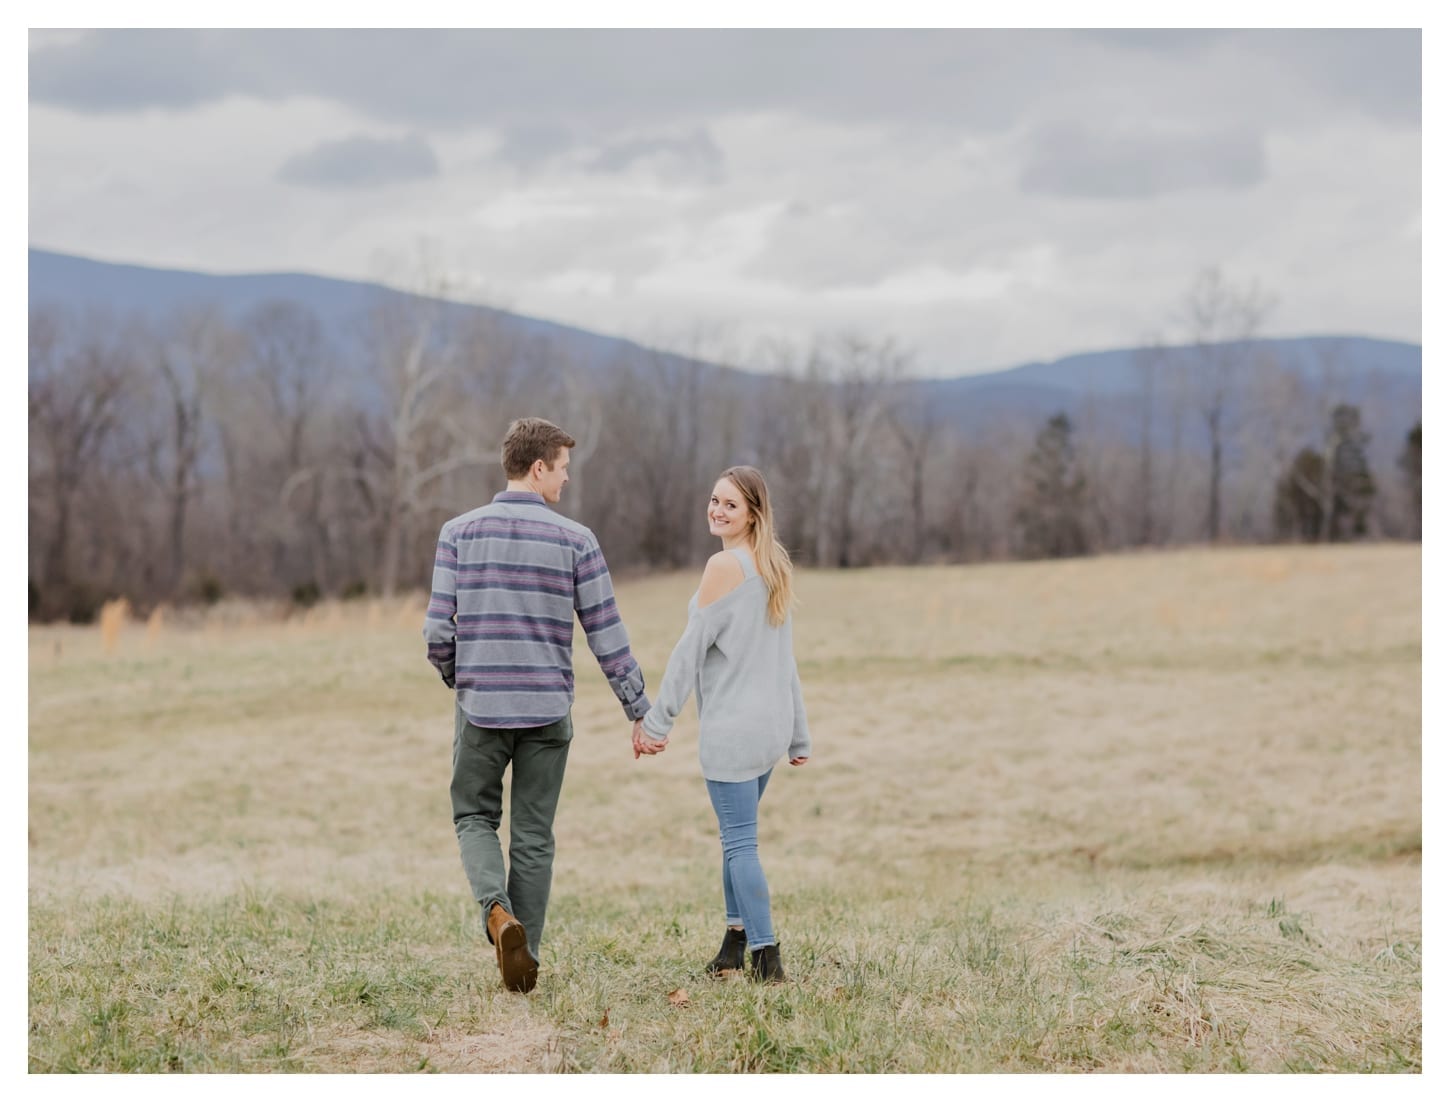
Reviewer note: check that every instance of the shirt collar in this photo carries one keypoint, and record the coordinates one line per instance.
(520, 497)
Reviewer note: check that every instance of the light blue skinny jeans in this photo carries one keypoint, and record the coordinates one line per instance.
(747, 897)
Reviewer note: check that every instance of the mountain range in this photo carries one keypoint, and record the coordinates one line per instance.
(1384, 375)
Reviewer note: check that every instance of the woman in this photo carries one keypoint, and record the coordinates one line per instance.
(736, 656)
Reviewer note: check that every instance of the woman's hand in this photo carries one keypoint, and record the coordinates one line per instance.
(799, 761)
(644, 744)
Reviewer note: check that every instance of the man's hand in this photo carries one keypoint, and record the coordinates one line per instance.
(799, 761)
(644, 744)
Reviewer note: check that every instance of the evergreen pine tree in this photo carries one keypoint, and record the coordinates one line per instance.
(1050, 514)
(1328, 499)
(1353, 484)
(1409, 464)
(1298, 498)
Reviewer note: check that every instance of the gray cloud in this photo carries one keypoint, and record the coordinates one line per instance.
(1377, 71)
(981, 80)
(1076, 162)
(694, 157)
(505, 77)
(691, 158)
(107, 72)
(1156, 40)
(361, 162)
(531, 146)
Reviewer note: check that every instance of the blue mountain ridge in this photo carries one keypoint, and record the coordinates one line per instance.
(339, 304)
(1109, 382)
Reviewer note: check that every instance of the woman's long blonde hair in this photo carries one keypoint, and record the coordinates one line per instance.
(771, 557)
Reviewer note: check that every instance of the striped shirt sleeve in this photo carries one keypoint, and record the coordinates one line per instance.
(440, 628)
(598, 615)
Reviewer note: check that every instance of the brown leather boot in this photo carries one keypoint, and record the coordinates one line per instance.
(517, 966)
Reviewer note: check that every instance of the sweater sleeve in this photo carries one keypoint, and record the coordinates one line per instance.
(681, 672)
(800, 737)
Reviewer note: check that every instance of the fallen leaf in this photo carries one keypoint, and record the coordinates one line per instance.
(679, 997)
(604, 1021)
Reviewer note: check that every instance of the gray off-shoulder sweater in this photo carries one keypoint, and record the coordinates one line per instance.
(743, 674)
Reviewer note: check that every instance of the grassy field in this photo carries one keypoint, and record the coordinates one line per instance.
(1138, 813)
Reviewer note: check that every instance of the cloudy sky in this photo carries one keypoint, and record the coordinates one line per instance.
(983, 197)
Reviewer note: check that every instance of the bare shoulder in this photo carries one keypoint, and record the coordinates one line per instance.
(722, 574)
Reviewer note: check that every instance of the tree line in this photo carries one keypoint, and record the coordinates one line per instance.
(200, 456)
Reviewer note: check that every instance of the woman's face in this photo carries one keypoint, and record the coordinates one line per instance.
(728, 515)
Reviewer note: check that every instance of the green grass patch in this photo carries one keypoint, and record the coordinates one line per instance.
(909, 984)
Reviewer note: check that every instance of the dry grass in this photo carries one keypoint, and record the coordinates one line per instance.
(1155, 812)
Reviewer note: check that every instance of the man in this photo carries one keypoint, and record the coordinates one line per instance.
(508, 579)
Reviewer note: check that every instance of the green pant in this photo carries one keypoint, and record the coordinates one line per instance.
(480, 756)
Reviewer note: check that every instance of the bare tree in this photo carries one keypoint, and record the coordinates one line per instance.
(1149, 362)
(422, 433)
(849, 381)
(785, 434)
(75, 398)
(188, 356)
(918, 429)
(669, 422)
(1279, 419)
(281, 406)
(1221, 319)
(656, 411)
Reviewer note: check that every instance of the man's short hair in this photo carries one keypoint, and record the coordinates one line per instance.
(530, 439)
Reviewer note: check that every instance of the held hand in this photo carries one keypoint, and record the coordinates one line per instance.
(643, 744)
(799, 761)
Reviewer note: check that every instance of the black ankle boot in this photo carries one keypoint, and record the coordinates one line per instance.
(765, 964)
(731, 957)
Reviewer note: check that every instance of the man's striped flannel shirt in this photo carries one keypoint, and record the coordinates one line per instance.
(508, 579)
